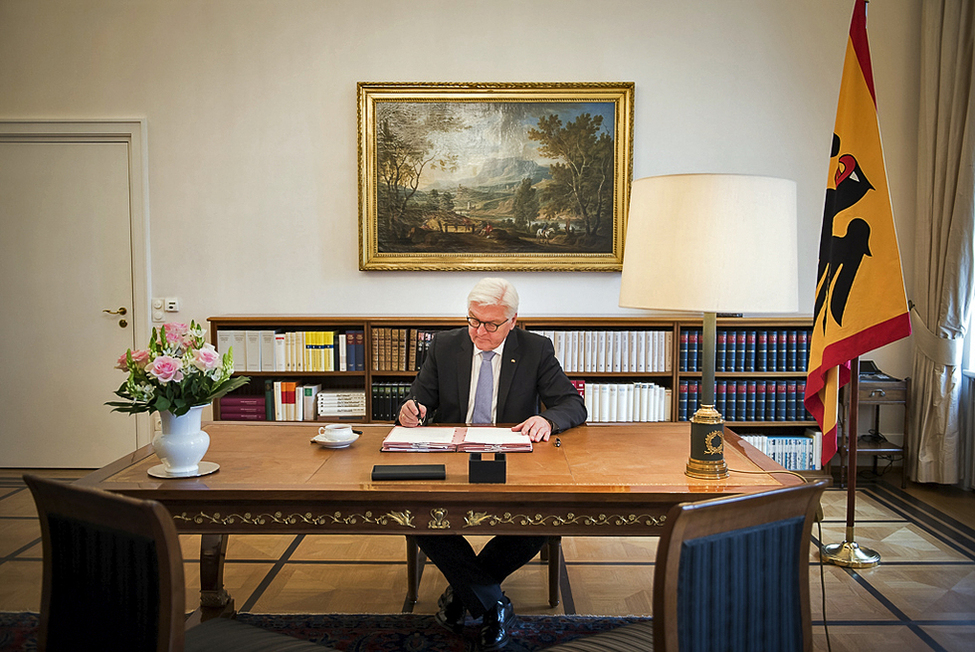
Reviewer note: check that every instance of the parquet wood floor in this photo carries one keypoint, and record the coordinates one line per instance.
(920, 597)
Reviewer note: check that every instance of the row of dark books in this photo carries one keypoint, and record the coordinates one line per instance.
(386, 399)
(400, 349)
(747, 350)
(747, 400)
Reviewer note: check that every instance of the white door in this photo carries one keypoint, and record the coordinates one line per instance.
(66, 245)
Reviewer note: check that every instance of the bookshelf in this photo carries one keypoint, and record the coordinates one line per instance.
(643, 363)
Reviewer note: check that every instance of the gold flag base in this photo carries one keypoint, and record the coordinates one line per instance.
(849, 554)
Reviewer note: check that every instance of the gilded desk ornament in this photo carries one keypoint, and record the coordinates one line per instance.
(439, 519)
(404, 518)
(474, 519)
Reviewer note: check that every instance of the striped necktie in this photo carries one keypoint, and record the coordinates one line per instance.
(484, 393)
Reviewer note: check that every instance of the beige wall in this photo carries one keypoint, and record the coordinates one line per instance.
(251, 110)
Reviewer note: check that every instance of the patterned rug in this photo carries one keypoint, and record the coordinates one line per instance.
(373, 632)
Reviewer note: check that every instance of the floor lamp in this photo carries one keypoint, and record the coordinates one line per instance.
(711, 243)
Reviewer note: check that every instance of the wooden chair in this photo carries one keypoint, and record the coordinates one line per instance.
(551, 553)
(731, 574)
(113, 579)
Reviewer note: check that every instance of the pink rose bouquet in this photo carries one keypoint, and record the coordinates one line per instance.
(177, 371)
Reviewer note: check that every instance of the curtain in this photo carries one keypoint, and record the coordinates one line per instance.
(943, 239)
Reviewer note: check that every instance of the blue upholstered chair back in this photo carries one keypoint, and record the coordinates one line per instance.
(733, 573)
(739, 590)
(106, 588)
(113, 580)
(113, 574)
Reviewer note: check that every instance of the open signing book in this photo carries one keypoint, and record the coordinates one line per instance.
(473, 439)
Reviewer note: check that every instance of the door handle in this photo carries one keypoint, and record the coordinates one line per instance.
(120, 311)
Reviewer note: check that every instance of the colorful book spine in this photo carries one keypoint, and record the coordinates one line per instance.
(780, 400)
(751, 344)
(741, 338)
(720, 349)
(760, 400)
(682, 400)
(761, 351)
(683, 353)
(783, 352)
(802, 350)
(750, 398)
(792, 351)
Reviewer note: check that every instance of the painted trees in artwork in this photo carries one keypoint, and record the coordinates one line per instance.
(582, 179)
(405, 146)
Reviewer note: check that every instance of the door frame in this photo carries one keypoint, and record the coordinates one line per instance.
(133, 133)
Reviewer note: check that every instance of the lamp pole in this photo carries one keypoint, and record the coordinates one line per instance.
(707, 425)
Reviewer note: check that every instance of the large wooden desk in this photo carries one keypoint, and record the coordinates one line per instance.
(603, 480)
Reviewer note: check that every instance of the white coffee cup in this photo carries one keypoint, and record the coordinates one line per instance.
(336, 431)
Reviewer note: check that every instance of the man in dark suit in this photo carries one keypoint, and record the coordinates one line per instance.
(489, 372)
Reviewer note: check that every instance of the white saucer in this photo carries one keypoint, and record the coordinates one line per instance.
(206, 468)
(335, 444)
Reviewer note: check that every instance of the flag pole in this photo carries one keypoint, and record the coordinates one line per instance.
(849, 553)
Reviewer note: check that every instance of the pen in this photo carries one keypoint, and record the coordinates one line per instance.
(558, 442)
(419, 418)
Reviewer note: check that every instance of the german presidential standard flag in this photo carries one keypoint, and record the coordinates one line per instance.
(860, 300)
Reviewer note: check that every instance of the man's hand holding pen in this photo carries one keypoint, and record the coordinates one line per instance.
(412, 414)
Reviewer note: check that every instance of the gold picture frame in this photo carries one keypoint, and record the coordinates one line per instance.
(494, 176)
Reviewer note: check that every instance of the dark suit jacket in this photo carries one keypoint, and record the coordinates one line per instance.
(529, 373)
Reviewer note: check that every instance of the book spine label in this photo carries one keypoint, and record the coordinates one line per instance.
(693, 351)
(682, 401)
(684, 341)
(759, 400)
(761, 351)
(783, 351)
(731, 386)
(750, 400)
(720, 348)
(780, 400)
(751, 344)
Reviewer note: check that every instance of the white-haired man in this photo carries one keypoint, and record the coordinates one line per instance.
(524, 375)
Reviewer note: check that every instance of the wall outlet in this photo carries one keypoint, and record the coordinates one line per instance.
(172, 304)
(156, 422)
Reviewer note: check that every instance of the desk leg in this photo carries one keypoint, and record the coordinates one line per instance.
(554, 553)
(415, 559)
(214, 599)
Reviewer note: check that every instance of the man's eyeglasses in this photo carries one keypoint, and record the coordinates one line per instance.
(489, 326)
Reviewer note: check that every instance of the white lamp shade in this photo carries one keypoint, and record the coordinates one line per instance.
(711, 243)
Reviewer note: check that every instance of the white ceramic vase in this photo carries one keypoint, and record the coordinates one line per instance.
(181, 443)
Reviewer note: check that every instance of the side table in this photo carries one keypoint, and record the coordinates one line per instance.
(878, 393)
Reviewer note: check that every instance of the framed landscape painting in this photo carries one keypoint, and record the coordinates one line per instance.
(506, 176)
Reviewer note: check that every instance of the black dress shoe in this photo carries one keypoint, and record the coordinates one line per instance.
(496, 627)
(451, 612)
